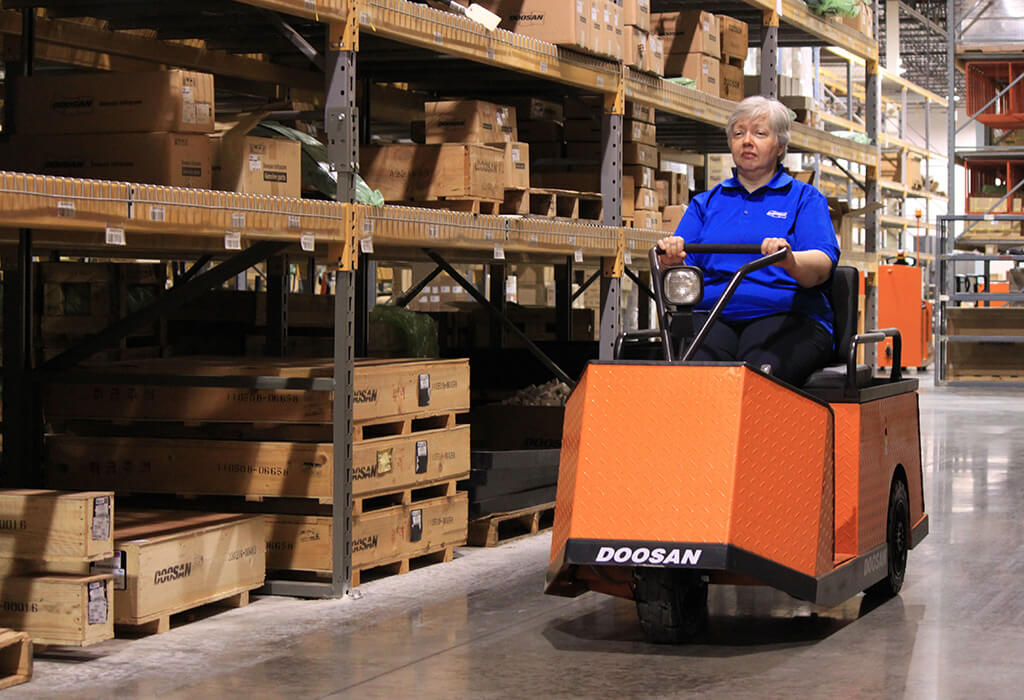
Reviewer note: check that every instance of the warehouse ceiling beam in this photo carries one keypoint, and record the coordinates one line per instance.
(78, 36)
(172, 299)
(904, 7)
(495, 313)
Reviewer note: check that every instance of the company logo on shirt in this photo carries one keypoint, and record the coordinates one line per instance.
(777, 214)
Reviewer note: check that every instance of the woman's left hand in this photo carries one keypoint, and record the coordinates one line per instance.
(772, 245)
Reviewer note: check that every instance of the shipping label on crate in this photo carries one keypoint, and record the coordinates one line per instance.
(101, 518)
(98, 606)
(113, 566)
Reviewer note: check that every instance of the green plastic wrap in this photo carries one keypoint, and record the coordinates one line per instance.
(398, 332)
(849, 8)
(855, 136)
(685, 82)
(316, 174)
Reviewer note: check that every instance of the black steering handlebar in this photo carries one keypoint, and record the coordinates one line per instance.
(716, 311)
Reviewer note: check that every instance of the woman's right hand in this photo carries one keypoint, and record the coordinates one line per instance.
(674, 253)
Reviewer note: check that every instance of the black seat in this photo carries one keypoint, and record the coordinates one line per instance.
(843, 297)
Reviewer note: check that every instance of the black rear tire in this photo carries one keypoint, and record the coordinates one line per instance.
(672, 604)
(897, 537)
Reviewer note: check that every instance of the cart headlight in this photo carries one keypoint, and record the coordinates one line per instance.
(683, 286)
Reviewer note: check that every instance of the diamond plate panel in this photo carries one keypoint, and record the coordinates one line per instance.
(889, 437)
(657, 453)
(783, 499)
(567, 462)
(848, 433)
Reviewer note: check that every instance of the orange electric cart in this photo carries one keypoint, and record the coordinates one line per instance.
(677, 474)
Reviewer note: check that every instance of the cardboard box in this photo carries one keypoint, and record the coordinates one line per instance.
(730, 81)
(638, 132)
(671, 217)
(628, 202)
(640, 112)
(169, 561)
(634, 53)
(734, 36)
(613, 31)
(562, 23)
(176, 160)
(541, 131)
(698, 67)
(469, 121)
(719, 168)
(639, 154)
(60, 609)
(65, 103)
(863, 22)
(637, 13)
(693, 31)
(583, 107)
(517, 165)
(643, 175)
(661, 189)
(44, 525)
(650, 220)
(678, 186)
(410, 172)
(656, 54)
(645, 198)
(257, 165)
(528, 108)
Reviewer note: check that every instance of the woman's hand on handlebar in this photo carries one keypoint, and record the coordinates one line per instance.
(674, 251)
(773, 245)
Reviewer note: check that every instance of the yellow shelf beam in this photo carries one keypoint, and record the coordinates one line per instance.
(928, 95)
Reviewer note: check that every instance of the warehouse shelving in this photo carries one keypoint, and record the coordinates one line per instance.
(971, 343)
(103, 216)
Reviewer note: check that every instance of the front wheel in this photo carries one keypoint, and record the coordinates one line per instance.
(897, 537)
(672, 604)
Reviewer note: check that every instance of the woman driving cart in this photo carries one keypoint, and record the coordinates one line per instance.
(780, 319)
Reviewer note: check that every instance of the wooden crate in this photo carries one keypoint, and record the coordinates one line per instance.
(258, 469)
(382, 389)
(59, 609)
(37, 525)
(15, 658)
(171, 561)
(390, 535)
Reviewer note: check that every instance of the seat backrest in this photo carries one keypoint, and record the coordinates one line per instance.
(843, 296)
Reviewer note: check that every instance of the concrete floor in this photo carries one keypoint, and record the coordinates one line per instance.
(480, 627)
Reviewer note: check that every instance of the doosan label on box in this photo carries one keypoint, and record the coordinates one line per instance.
(175, 100)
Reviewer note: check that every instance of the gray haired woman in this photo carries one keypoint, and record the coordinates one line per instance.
(780, 317)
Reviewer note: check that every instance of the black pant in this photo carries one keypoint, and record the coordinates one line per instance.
(792, 344)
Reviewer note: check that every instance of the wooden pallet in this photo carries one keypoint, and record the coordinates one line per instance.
(468, 206)
(404, 425)
(500, 528)
(737, 61)
(565, 204)
(15, 658)
(404, 497)
(402, 566)
(160, 623)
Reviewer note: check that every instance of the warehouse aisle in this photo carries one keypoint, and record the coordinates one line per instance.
(480, 627)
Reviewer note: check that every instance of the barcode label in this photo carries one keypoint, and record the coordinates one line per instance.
(238, 219)
(293, 221)
(367, 225)
(627, 258)
(499, 251)
(232, 240)
(65, 209)
(366, 245)
(157, 214)
(543, 66)
(307, 242)
(114, 236)
(433, 232)
(578, 255)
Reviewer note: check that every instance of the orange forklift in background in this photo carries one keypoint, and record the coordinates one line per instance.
(901, 305)
(675, 475)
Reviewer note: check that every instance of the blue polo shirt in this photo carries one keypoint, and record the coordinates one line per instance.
(783, 208)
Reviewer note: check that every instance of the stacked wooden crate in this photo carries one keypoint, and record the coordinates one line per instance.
(50, 539)
(271, 451)
(80, 299)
